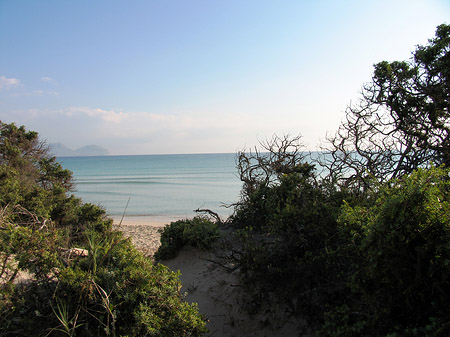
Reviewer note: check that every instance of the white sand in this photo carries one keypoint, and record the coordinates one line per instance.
(144, 232)
(155, 221)
(218, 293)
(220, 299)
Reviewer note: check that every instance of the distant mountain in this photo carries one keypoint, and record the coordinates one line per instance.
(91, 150)
(60, 150)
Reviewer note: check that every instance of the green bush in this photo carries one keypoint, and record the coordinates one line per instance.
(378, 264)
(288, 238)
(375, 265)
(114, 291)
(401, 259)
(198, 232)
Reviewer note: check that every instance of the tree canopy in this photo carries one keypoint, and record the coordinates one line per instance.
(362, 249)
(400, 123)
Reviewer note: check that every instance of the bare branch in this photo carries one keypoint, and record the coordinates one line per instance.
(211, 213)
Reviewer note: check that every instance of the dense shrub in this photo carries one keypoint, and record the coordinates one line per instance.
(198, 232)
(401, 263)
(372, 266)
(113, 290)
(364, 253)
(32, 178)
(288, 239)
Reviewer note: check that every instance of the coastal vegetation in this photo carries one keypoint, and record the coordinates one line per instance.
(198, 232)
(360, 247)
(63, 270)
(356, 241)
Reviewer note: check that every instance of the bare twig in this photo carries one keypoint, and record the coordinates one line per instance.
(211, 213)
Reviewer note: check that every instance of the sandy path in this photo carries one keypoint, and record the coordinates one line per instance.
(144, 237)
(217, 292)
(144, 232)
(222, 300)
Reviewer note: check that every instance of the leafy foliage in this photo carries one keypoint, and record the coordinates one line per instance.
(106, 289)
(401, 271)
(113, 291)
(364, 249)
(31, 177)
(372, 266)
(198, 232)
(400, 123)
(287, 235)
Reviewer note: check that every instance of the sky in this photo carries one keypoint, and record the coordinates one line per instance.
(197, 76)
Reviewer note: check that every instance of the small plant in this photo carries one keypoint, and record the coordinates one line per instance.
(68, 325)
(198, 232)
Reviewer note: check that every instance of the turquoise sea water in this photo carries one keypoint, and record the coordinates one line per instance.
(157, 186)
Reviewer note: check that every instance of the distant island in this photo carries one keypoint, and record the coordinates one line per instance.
(60, 150)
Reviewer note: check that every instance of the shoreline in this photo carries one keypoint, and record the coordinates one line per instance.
(144, 220)
(143, 230)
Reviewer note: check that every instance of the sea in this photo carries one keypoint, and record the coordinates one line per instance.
(157, 187)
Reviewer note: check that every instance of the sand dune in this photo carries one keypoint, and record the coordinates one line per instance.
(218, 293)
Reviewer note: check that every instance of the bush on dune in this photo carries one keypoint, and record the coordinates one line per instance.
(400, 254)
(287, 235)
(198, 232)
(372, 265)
(110, 290)
(113, 291)
(363, 247)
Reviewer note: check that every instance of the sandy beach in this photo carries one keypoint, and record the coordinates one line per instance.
(218, 293)
(143, 231)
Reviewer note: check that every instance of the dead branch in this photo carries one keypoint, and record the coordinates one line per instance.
(211, 213)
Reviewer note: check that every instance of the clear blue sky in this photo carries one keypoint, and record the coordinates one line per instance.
(189, 76)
